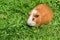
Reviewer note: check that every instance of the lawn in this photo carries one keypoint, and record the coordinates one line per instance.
(14, 15)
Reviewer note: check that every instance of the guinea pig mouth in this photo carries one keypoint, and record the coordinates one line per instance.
(31, 23)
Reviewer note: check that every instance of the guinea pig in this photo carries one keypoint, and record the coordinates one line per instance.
(41, 14)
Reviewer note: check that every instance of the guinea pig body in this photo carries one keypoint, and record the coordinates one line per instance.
(41, 14)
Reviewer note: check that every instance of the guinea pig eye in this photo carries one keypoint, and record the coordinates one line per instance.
(36, 16)
(33, 19)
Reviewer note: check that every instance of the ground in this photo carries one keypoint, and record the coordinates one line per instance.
(14, 15)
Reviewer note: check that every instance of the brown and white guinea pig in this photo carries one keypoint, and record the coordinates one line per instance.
(41, 14)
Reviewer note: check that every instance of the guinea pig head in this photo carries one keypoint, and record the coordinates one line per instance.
(34, 18)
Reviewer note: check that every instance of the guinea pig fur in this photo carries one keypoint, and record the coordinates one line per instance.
(40, 15)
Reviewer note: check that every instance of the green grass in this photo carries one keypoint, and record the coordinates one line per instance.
(14, 15)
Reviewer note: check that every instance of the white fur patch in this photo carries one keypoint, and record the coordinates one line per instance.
(34, 11)
(30, 22)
